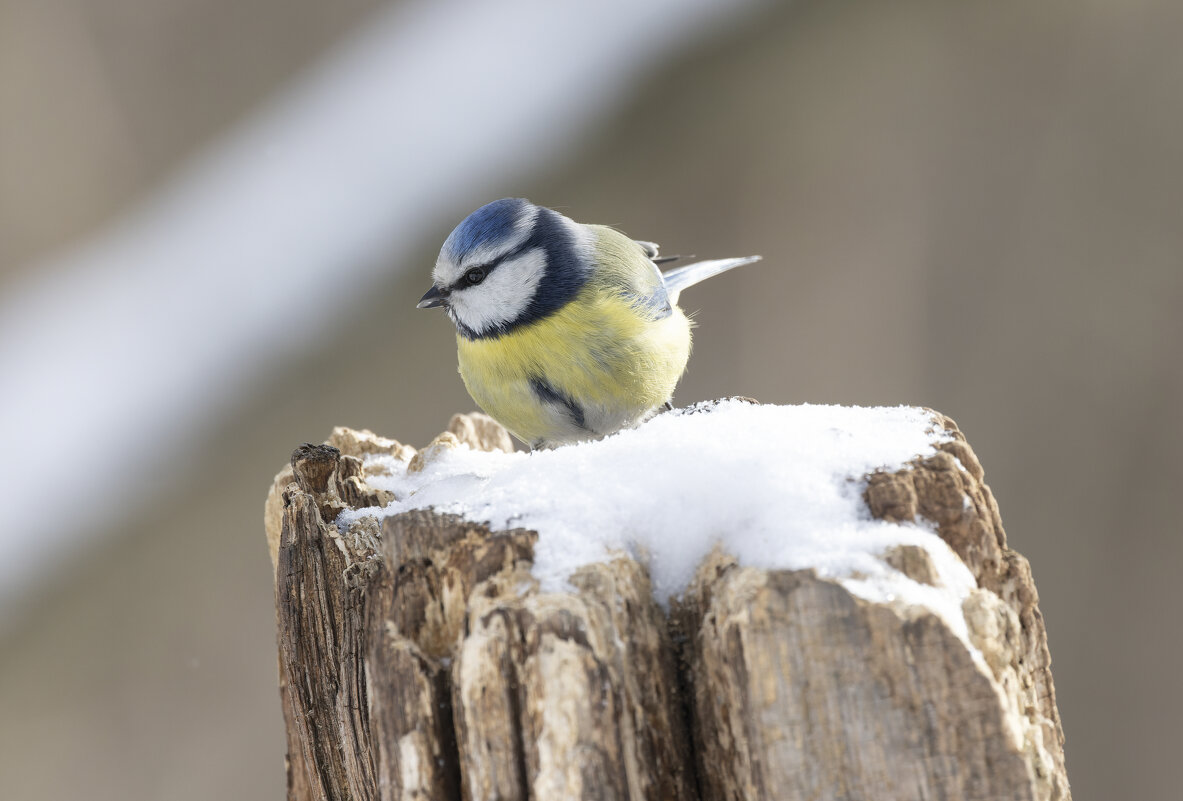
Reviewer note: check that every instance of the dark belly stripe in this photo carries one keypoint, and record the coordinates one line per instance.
(548, 394)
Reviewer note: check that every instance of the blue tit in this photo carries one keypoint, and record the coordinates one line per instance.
(565, 332)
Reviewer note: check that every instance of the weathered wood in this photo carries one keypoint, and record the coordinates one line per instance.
(384, 633)
(803, 690)
(417, 606)
(1003, 616)
(421, 660)
(571, 695)
(319, 586)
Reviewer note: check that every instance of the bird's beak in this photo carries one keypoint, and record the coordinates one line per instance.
(433, 297)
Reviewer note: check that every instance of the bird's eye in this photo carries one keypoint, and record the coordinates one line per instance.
(475, 276)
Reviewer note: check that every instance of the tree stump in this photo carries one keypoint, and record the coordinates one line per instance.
(419, 658)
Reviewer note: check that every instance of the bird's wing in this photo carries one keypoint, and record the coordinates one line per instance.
(626, 267)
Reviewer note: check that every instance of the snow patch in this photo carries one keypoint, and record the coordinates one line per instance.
(775, 486)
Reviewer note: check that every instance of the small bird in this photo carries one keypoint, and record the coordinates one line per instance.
(565, 332)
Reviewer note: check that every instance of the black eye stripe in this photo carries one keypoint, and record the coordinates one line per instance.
(462, 282)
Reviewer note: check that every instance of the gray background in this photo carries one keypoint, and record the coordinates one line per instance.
(969, 206)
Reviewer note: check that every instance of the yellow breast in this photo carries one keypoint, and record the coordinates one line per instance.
(597, 365)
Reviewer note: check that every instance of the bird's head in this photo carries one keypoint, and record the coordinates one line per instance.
(509, 263)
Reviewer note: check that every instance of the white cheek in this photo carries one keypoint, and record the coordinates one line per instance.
(504, 295)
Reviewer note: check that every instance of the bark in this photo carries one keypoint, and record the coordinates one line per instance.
(420, 660)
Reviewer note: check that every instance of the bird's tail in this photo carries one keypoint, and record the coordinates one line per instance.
(682, 277)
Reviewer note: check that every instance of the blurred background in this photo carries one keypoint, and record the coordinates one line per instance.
(216, 217)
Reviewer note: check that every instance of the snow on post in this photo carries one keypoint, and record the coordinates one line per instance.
(734, 601)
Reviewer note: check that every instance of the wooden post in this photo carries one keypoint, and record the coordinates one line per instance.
(420, 660)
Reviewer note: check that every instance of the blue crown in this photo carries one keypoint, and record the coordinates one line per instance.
(488, 224)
